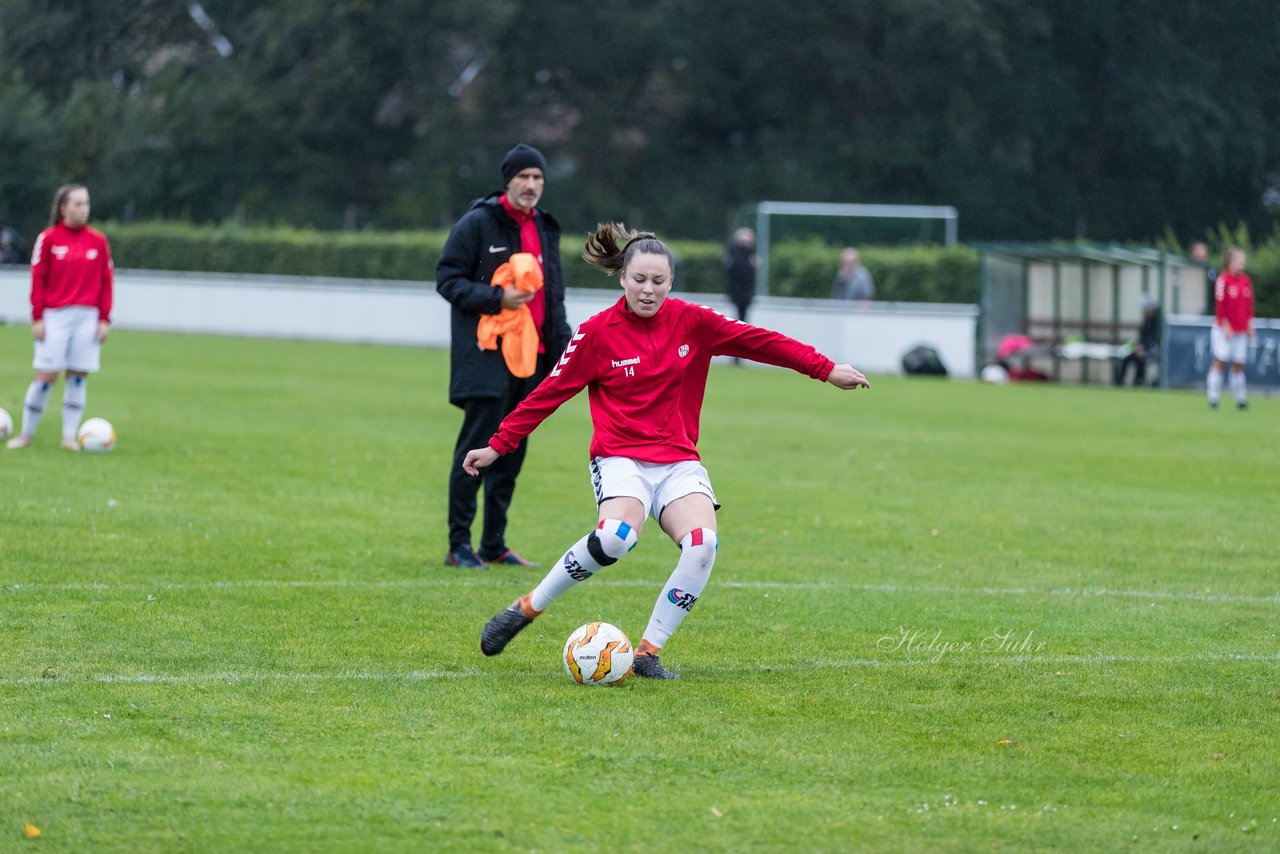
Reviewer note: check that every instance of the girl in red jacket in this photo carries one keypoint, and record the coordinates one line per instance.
(71, 285)
(644, 363)
(1232, 327)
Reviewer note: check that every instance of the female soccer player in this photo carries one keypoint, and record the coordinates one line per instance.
(644, 362)
(71, 288)
(1232, 327)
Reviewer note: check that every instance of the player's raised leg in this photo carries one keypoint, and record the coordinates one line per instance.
(605, 546)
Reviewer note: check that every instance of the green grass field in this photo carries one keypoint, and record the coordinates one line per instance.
(944, 617)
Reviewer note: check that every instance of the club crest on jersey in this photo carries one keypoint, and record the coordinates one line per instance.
(91, 254)
(683, 351)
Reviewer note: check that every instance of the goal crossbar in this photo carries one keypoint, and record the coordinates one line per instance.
(764, 210)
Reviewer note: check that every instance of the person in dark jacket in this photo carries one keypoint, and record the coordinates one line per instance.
(493, 229)
(1145, 349)
(740, 271)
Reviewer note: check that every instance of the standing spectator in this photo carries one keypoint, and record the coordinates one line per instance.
(1146, 347)
(1200, 254)
(71, 291)
(740, 271)
(493, 229)
(644, 364)
(1232, 327)
(853, 281)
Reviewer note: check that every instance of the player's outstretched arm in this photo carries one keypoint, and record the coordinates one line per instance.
(848, 378)
(478, 459)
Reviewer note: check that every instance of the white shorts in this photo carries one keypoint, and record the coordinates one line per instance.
(1234, 349)
(70, 340)
(655, 485)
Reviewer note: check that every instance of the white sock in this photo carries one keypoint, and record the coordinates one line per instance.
(1238, 386)
(602, 547)
(73, 397)
(1215, 384)
(697, 556)
(33, 405)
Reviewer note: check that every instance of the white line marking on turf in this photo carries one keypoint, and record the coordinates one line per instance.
(266, 583)
(765, 667)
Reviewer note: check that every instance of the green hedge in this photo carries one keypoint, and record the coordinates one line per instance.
(798, 269)
(917, 274)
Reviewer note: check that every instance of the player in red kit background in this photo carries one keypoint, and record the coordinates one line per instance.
(644, 363)
(71, 291)
(1232, 327)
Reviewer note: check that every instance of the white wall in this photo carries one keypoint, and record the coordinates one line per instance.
(872, 338)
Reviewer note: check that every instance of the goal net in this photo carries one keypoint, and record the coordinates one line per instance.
(849, 225)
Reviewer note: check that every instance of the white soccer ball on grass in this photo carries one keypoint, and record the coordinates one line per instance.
(96, 434)
(598, 654)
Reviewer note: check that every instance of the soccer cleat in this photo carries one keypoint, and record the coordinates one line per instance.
(1242, 404)
(1213, 404)
(647, 666)
(509, 558)
(70, 445)
(21, 440)
(502, 627)
(463, 558)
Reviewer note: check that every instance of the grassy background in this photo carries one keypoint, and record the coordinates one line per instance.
(945, 617)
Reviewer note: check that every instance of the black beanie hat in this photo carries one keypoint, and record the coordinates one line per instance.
(520, 158)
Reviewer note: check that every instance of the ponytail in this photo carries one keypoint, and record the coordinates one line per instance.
(611, 246)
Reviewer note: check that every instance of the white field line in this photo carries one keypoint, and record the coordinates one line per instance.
(231, 678)
(446, 580)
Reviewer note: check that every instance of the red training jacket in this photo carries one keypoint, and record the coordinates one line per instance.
(71, 266)
(646, 378)
(1233, 301)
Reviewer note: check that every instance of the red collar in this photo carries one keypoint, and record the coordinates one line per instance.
(514, 212)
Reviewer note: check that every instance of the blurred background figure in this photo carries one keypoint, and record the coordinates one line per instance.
(853, 281)
(1146, 348)
(1232, 327)
(1200, 254)
(12, 248)
(740, 271)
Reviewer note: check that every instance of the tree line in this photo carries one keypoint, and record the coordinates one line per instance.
(1037, 119)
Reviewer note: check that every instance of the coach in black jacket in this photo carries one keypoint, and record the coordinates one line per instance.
(494, 228)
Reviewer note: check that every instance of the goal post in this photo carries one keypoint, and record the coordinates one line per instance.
(765, 211)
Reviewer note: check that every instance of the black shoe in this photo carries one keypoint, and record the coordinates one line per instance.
(1213, 404)
(499, 631)
(649, 667)
(463, 558)
(1242, 404)
(508, 557)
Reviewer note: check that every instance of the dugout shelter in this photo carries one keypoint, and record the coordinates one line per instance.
(1080, 304)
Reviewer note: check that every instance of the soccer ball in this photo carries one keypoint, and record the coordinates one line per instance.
(6, 424)
(97, 434)
(598, 654)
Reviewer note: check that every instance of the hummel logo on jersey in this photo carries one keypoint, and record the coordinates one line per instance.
(626, 362)
(60, 252)
(683, 351)
(493, 250)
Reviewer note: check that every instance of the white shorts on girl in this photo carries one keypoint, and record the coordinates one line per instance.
(655, 485)
(70, 340)
(1234, 348)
